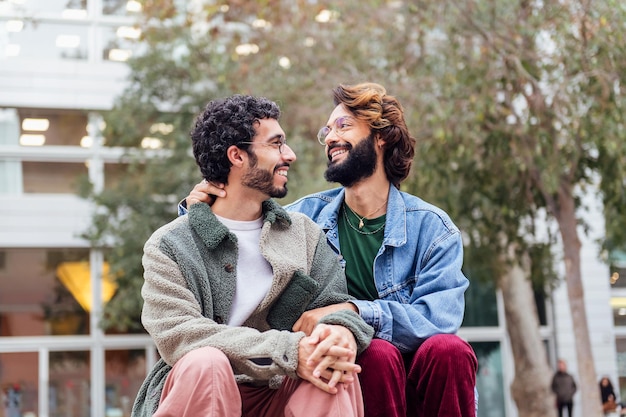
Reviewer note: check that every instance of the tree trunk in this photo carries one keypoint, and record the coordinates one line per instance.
(565, 213)
(530, 389)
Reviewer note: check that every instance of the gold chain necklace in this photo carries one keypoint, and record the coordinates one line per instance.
(345, 215)
(361, 224)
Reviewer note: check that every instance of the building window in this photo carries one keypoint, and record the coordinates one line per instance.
(620, 344)
(125, 372)
(18, 382)
(69, 30)
(481, 307)
(37, 295)
(55, 127)
(53, 177)
(45, 40)
(121, 7)
(68, 9)
(489, 379)
(68, 390)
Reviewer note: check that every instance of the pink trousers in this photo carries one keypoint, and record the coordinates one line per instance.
(202, 384)
(436, 381)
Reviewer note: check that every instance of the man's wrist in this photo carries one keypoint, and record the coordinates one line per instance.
(352, 307)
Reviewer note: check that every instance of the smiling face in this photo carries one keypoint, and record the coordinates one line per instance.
(268, 166)
(350, 148)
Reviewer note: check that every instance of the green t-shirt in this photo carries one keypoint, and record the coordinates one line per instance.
(359, 247)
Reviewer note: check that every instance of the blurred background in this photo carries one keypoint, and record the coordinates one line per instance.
(518, 111)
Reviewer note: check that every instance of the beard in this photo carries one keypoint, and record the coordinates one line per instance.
(360, 164)
(262, 180)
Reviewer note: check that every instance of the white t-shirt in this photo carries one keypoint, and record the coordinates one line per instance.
(254, 273)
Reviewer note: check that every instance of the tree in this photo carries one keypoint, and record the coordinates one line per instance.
(515, 105)
(533, 96)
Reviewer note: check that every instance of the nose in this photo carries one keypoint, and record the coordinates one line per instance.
(331, 137)
(288, 154)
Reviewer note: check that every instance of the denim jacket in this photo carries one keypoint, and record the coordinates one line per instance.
(417, 270)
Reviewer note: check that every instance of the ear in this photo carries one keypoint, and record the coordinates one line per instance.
(236, 156)
(380, 142)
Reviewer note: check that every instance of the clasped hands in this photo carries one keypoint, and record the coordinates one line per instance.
(326, 356)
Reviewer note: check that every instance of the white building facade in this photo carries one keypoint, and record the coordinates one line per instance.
(61, 64)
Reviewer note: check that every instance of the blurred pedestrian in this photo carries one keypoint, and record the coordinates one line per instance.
(607, 393)
(564, 387)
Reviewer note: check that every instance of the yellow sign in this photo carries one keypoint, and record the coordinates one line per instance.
(76, 277)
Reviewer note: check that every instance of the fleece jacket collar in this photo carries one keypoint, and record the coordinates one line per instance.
(213, 232)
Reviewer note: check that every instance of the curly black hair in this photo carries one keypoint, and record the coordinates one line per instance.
(223, 123)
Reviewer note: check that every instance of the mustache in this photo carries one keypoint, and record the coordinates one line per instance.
(346, 146)
(339, 145)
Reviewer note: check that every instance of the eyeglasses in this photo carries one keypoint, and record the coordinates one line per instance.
(278, 143)
(341, 125)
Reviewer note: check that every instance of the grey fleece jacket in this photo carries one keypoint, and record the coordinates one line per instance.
(190, 269)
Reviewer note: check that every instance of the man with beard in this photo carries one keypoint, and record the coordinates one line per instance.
(402, 256)
(225, 284)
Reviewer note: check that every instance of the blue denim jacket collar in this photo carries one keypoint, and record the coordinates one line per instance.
(395, 232)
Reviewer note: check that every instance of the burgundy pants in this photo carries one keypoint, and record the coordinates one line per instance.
(436, 381)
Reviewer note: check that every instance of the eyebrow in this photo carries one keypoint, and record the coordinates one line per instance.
(345, 116)
(276, 136)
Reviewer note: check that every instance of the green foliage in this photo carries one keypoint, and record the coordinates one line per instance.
(512, 103)
(529, 104)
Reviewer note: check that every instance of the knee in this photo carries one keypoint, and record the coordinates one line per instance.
(448, 346)
(380, 353)
(202, 360)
